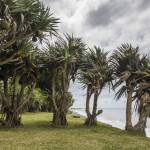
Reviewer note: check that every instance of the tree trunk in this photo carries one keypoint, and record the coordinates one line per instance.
(60, 106)
(6, 87)
(53, 93)
(92, 118)
(143, 114)
(141, 125)
(60, 114)
(15, 91)
(4, 102)
(95, 102)
(59, 118)
(13, 119)
(88, 96)
(14, 111)
(129, 107)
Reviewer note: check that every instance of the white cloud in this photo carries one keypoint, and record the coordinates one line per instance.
(116, 21)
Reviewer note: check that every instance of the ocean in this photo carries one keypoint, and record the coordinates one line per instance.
(113, 111)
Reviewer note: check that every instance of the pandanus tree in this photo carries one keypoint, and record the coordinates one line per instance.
(125, 61)
(20, 20)
(52, 89)
(63, 60)
(23, 19)
(142, 96)
(94, 74)
(18, 77)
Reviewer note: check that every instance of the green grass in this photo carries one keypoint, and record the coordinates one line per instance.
(37, 134)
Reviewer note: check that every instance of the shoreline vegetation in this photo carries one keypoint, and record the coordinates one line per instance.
(38, 64)
(37, 134)
(76, 113)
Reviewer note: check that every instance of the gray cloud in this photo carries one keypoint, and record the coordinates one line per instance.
(106, 23)
(144, 4)
(107, 12)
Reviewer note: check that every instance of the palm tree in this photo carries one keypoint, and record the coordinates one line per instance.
(17, 77)
(125, 61)
(23, 19)
(63, 60)
(142, 96)
(20, 20)
(94, 74)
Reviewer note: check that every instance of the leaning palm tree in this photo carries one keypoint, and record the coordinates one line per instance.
(94, 74)
(125, 61)
(63, 60)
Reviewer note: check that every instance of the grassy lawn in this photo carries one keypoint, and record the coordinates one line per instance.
(37, 134)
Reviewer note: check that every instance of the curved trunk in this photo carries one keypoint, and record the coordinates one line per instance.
(129, 107)
(91, 118)
(143, 114)
(141, 125)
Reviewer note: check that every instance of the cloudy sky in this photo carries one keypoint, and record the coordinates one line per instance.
(106, 23)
